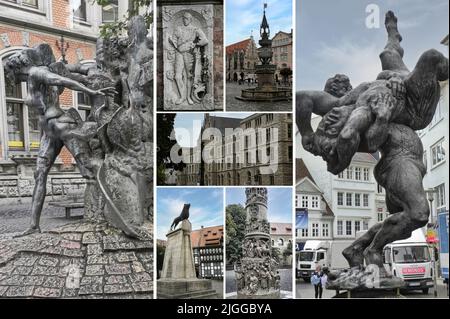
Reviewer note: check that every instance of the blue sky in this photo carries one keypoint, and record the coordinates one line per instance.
(243, 16)
(332, 37)
(279, 199)
(187, 126)
(206, 207)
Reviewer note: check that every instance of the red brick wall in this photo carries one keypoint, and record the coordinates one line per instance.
(61, 13)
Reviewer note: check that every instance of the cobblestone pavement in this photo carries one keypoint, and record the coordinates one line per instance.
(285, 282)
(15, 216)
(79, 260)
(233, 104)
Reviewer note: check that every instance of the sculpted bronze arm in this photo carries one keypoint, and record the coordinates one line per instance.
(78, 68)
(40, 74)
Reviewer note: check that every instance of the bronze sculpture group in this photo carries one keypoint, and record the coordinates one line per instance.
(379, 116)
(113, 147)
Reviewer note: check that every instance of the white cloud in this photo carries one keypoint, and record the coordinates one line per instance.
(359, 62)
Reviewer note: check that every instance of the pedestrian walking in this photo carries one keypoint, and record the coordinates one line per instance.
(316, 281)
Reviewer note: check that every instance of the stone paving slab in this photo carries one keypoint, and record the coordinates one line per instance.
(78, 260)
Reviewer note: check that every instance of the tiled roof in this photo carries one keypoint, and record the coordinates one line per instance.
(364, 157)
(302, 171)
(280, 229)
(241, 45)
(221, 123)
(207, 236)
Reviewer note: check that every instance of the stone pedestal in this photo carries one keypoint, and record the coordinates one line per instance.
(265, 76)
(178, 278)
(178, 258)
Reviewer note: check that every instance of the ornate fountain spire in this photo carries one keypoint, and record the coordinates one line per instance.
(264, 29)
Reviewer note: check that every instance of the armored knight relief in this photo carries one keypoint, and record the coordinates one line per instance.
(188, 57)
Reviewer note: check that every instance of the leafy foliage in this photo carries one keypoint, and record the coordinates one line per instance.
(165, 144)
(235, 225)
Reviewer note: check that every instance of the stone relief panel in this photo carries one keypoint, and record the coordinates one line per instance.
(188, 57)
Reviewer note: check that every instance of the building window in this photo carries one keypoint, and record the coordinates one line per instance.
(366, 176)
(84, 105)
(304, 232)
(365, 225)
(357, 226)
(272, 179)
(357, 200)
(438, 153)
(366, 200)
(358, 173)
(348, 227)
(440, 196)
(348, 199)
(305, 201)
(379, 189)
(79, 10)
(26, 3)
(340, 228)
(315, 202)
(22, 122)
(290, 153)
(280, 242)
(296, 200)
(350, 172)
(380, 216)
(340, 199)
(325, 230)
(315, 230)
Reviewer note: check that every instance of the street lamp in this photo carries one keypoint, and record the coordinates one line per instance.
(430, 196)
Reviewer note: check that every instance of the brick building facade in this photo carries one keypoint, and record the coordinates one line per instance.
(237, 157)
(282, 53)
(26, 23)
(241, 59)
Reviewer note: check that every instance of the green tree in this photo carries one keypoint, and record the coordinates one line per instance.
(164, 130)
(135, 7)
(235, 225)
(286, 73)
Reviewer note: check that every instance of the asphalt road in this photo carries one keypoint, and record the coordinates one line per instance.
(305, 290)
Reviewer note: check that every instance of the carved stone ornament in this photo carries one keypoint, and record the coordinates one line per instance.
(188, 57)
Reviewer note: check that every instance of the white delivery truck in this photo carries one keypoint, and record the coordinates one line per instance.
(410, 260)
(322, 253)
